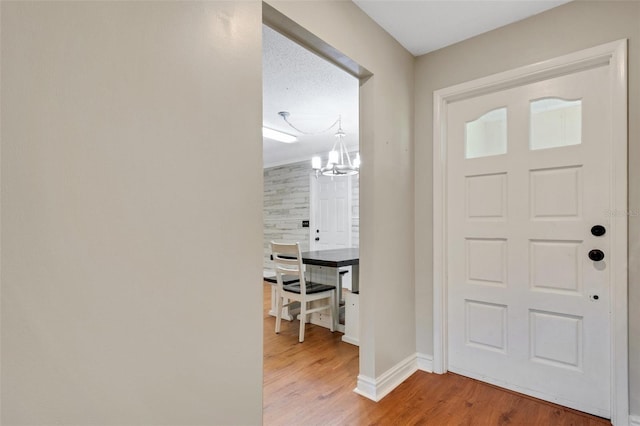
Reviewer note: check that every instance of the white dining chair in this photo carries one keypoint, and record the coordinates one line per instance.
(287, 261)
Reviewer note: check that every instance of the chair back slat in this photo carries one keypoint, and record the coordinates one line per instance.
(288, 271)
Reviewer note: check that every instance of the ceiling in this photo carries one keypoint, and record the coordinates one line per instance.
(422, 26)
(316, 92)
(313, 91)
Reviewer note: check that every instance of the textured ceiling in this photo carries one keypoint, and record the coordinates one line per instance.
(313, 91)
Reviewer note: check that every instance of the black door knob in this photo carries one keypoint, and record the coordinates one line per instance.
(317, 238)
(596, 255)
(598, 230)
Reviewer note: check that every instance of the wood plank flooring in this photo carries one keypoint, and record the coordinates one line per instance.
(312, 383)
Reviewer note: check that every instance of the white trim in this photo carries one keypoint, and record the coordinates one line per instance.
(351, 340)
(615, 55)
(376, 389)
(366, 387)
(313, 205)
(634, 420)
(568, 64)
(439, 236)
(313, 196)
(425, 362)
(619, 240)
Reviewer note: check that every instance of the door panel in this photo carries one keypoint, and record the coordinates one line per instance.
(528, 176)
(332, 220)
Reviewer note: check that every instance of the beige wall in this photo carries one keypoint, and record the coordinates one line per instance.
(115, 118)
(568, 28)
(387, 322)
(130, 266)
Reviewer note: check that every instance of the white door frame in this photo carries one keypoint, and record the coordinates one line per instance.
(614, 55)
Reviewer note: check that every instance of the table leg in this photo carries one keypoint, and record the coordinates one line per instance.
(355, 279)
(338, 298)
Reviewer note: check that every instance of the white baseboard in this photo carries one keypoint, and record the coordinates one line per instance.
(425, 362)
(634, 420)
(351, 340)
(376, 389)
(366, 387)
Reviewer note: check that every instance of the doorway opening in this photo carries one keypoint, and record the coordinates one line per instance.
(315, 86)
(300, 205)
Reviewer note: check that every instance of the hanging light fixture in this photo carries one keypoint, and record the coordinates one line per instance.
(339, 160)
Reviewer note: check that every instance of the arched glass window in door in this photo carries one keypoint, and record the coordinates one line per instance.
(487, 135)
(555, 123)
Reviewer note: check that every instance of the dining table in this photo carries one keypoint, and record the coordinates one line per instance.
(325, 267)
(336, 259)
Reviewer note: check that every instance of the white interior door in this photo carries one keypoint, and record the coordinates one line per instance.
(331, 212)
(528, 176)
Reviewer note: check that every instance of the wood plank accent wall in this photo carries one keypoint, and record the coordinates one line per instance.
(286, 205)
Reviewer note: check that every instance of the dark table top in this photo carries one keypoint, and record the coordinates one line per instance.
(334, 258)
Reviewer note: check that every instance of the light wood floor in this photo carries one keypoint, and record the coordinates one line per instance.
(312, 383)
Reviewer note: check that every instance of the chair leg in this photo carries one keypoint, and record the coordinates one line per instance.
(303, 320)
(278, 311)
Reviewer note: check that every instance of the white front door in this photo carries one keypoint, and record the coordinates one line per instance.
(528, 177)
(330, 212)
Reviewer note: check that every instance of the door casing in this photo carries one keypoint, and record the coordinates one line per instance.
(613, 55)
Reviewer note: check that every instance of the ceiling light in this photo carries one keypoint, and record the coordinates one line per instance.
(278, 136)
(339, 162)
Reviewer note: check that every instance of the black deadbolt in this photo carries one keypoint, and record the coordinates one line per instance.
(596, 255)
(598, 230)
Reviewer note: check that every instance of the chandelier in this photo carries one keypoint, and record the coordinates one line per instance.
(339, 160)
